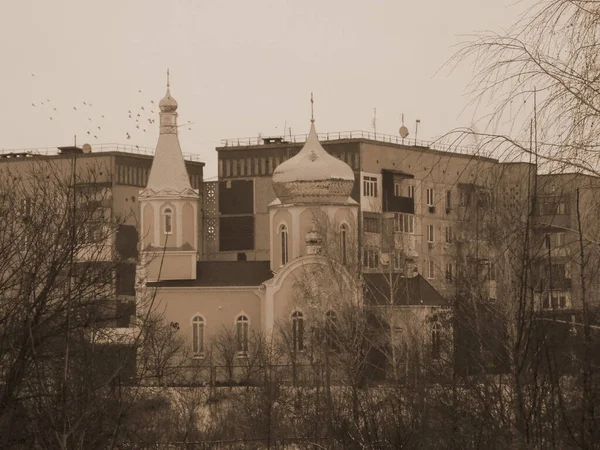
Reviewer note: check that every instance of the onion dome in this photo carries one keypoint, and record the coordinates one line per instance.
(168, 103)
(313, 176)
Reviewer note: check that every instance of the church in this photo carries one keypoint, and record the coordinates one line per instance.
(314, 264)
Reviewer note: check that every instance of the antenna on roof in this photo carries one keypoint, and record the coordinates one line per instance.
(375, 122)
(403, 130)
(417, 122)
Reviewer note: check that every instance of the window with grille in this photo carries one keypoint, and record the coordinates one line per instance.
(372, 225)
(411, 191)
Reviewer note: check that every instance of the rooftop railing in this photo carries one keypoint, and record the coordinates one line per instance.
(96, 148)
(357, 134)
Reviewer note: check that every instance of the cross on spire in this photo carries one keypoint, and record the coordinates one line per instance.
(312, 112)
(168, 78)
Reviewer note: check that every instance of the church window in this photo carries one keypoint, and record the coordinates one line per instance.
(284, 245)
(242, 326)
(436, 341)
(198, 335)
(298, 331)
(168, 221)
(331, 332)
(344, 243)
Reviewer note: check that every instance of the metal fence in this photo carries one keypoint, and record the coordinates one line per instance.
(356, 134)
(96, 148)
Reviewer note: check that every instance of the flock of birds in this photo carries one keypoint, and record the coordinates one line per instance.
(140, 119)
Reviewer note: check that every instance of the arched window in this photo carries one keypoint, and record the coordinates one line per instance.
(436, 341)
(168, 214)
(344, 243)
(198, 335)
(242, 325)
(331, 335)
(298, 331)
(284, 244)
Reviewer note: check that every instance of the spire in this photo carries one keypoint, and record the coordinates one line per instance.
(168, 175)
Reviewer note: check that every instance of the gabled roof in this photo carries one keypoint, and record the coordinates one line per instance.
(415, 291)
(224, 273)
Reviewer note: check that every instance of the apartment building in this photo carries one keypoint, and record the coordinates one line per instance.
(115, 173)
(414, 200)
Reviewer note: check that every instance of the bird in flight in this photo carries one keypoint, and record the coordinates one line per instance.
(139, 90)
(88, 132)
(152, 101)
(33, 104)
(142, 108)
(128, 136)
(74, 108)
(99, 128)
(95, 137)
(84, 103)
(51, 118)
(33, 74)
(54, 109)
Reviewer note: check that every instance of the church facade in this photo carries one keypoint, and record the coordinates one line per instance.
(313, 248)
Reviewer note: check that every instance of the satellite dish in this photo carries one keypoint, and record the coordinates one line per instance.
(403, 131)
(87, 148)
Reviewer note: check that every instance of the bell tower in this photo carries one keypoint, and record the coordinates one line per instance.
(169, 206)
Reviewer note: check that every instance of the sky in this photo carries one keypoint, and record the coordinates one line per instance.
(238, 68)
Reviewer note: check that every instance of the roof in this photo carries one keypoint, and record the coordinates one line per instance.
(224, 273)
(398, 172)
(313, 175)
(415, 291)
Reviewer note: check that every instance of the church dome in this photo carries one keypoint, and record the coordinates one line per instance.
(313, 176)
(168, 103)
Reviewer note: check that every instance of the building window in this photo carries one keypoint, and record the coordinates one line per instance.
(242, 326)
(555, 300)
(430, 234)
(242, 167)
(168, 214)
(430, 270)
(331, 338)
(372, 225)
(404, 223)
(371, 258)
(227, 168)
(411, 191)
(344, 243)
(436, 340)
(560, 239)
(449, 272)
(397, 191)
(448, 201)
(198, 335)
(369, 186)
(298, 331)
(430, 197)
(234, 167)
(284, 244)
(449, 235)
